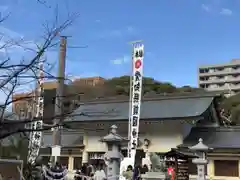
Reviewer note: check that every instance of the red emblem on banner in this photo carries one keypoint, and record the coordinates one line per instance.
(138, 64)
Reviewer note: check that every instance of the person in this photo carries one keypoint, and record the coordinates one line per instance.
(128, 174)
(77, 175)
(90, 171)
(137, 172)
(84, 169)
(83, 172)
(171, 171)
(99, 174)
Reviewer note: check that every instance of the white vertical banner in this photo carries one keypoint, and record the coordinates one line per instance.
(138, 53)
(36, 126)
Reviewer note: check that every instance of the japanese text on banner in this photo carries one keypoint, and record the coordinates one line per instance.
(136, 96)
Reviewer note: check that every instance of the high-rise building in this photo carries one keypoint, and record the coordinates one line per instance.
(220, 77)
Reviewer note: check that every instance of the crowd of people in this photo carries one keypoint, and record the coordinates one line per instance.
(95, 172)
(135, 173)
(99, 173)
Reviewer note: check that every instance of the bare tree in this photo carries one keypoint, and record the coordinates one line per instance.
(23, 70)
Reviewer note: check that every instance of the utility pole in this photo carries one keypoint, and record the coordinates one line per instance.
(59, 95)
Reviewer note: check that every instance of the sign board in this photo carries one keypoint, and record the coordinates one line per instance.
(96, 156)
(56, 151)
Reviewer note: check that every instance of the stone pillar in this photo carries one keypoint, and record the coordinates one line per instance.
(201, 150)
(113, 156)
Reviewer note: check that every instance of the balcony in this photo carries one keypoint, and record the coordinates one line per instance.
(223, 88)
(220, 73)
(219, 81)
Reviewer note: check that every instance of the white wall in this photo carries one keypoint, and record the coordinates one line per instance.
(93, 144)
(163, 135)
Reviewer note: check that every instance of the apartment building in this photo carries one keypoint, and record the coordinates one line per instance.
(220, 77)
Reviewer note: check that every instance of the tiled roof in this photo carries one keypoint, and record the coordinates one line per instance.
(214, 137)
(163, 108)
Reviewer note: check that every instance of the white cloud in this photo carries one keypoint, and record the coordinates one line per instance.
(8, 33)
(206, 8)
(130, 29)
(120, 61)
(226, 12)
(98, 21)
(20, 49)
(12, 41)
(217, 7)
(117, 32)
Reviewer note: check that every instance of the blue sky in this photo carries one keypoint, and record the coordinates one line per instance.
(179, 35)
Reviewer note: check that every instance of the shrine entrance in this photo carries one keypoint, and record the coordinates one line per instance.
(179, 160)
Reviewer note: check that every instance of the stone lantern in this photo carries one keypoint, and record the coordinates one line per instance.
(201, 162)
(113, 156)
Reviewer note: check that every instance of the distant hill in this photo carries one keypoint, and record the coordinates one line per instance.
(120, 86)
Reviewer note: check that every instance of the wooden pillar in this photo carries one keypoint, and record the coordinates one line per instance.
(85, 153)
(210, 168)
(70, 163)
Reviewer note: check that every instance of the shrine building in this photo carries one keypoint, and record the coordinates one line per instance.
(166, 122)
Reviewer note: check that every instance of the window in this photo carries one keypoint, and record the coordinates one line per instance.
(77, 161)
(203, 70)
(226, 168)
